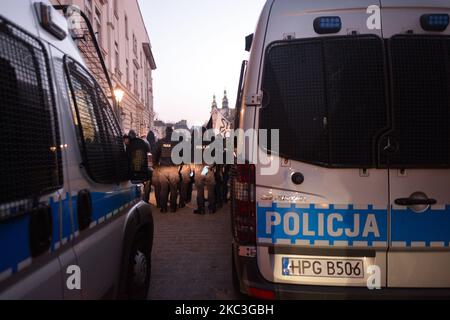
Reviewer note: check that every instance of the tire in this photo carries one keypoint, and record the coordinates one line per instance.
(139, 267)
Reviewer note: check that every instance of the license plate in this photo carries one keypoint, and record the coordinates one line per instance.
(323, 267)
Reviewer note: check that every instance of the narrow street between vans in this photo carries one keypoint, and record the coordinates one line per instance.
(191, 257)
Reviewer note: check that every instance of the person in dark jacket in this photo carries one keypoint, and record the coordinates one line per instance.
(137, 151)
(186, 173)
(151, 139)
(168, 172)
(204, 178)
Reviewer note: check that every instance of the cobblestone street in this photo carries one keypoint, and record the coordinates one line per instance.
(191, 256)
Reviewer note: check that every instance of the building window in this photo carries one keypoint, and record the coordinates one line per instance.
(116, 8)
(98, 26)
(126, 27)
(135, 82)
(134, 45)
(88, 9)
(128, 73)
(116, 48)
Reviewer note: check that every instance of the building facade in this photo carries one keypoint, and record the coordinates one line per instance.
(127, 52)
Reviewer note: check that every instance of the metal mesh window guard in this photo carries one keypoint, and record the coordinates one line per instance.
(30, 157)
(327, 97)
(99, 134)
(420, 73)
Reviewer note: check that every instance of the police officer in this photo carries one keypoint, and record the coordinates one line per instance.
(126, 141)
(204, 178)
(226, 170)
(168, 171)
(219, 176)
(151, 139)
(139, 171)
(185, 176)
(186, 173)
(225, 179)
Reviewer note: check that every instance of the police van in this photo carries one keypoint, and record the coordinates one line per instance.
(71, 224)
(360, 205)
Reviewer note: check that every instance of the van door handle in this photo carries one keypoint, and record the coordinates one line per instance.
(84, 209)
(40, 229)
(414, 202)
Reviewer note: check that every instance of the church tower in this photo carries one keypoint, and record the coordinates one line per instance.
(214, 103)
(225, 100)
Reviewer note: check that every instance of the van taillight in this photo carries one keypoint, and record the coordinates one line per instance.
(243, 205)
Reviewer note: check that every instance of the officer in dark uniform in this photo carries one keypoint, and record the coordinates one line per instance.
(225, 181)
(151, 139)
(185, 175)
(219, 176)
(167, 171)
(191, 181)
(225, 171)
(137, 151)
(204, 178)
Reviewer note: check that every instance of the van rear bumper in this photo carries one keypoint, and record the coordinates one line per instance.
(250, 277)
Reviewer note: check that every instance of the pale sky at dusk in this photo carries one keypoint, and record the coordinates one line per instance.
(198, 47)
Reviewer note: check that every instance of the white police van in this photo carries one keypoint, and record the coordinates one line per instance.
(71, 225)
(360, 91)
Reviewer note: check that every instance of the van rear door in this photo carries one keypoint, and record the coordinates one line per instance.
(327, 97)
(418, 146)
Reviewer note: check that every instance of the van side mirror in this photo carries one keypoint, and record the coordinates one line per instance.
(139, 171)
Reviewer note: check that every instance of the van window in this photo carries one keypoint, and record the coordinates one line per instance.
(243, 73)
(99, 135)
(30, 154)
(420, 67)
(327, 96)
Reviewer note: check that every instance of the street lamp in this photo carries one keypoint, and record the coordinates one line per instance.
(118, 96)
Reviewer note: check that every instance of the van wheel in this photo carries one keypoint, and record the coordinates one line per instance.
(139, 267)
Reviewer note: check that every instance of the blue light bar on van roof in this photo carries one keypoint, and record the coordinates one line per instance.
(434, 22)
(326, 25)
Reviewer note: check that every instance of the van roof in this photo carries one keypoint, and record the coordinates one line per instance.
(310, 6)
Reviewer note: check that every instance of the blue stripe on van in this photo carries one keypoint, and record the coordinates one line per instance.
(104, 204)
(14, 247)
(14, 234)
(326, 226)
(66, 223)
(430, 227)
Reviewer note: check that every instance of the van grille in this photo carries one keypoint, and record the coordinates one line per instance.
(30, 157)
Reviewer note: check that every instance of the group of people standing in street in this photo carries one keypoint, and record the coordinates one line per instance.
(173, 184)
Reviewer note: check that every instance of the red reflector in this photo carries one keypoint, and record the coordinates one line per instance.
(261, 294)
(243, 207)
